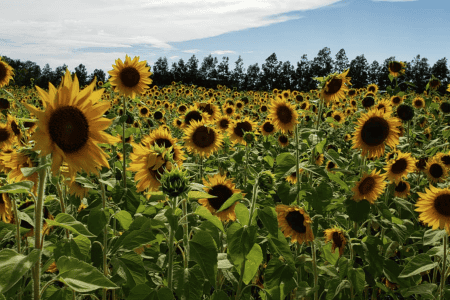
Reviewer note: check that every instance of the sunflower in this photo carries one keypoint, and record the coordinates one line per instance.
(330, 166)
(400, 167)
(7, 137)
(337, 236)
(397, 68)
(418, 102)
(177, 123)
(384, 105)
(445, 158)
(376, 129)
(71, 126)
(319, 159)
(396, 100)
(77, 189)
(436, 170)
(21, 159)
(223, 122)
(238, 128)
(402, 189)
(434, 83)
(351, 93)
(228, 110)
(6, 73)
(367, 102)
(335, 87)
(283, 115)
(130, 78)
(5, 208)
(211, 110)
(283, 140)
(182, 109)
(373, 88)
(369, 187)
(193, 114)
(149, 163)
(339, 117)
(292, 178)
(295, 223)
(144, 112)
(163, 138)
(223, 188)
(202, 139)
(434, 208)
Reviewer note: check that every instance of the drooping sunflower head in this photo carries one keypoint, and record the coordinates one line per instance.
(434, 208)
(175, 182)
(223, 188)
(337, 236)
(400, 167)
(396, 68)
(375, 129)
(202, 139)
(283, 115)
(436, 171)
(434, 83)
(130, 78)
(295, 223)
(335, 87)
(6, 73)
(370, 187)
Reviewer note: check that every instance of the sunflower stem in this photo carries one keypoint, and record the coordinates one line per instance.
(185, 233)
(61, 201)
(443, 277)
(123, 143)
(37, 228)
(201, 168)
(246, 165)
(407, 134)
(316, 278)
(16, 217)
(297, 170)
(105, 240)
(170, 246)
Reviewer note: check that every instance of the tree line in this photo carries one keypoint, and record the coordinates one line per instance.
(272, 73)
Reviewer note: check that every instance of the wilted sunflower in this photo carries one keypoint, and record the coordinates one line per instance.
(5, 208)
(223, 189)
(6, 73)
(149, 163)
(376, 129)
(72, 125)
(402, 189)
(238, 128)
(436, 170)
(283, 115)
(418, 102)
(337, 236)
(370, 187)
(295, 223)
(202, 139)
(130, 78)
(163, 138)
(397, 68)
(400, 167)
(335, 87)
(434, 208)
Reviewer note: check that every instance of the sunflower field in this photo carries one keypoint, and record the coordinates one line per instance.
(123, 190)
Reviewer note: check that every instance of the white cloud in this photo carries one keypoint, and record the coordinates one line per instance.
(173, 57)
(191, 51)
(57, 31)
(220, 52)
(394, 0)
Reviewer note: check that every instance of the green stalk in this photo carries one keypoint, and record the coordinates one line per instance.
(246, 165)
(185, 233)
(38, 227)
(316, 277)
(407, 134)
(61, 201)
(170, 245)
(297, 169)
(16, 217)
(201, 168)
(105, 240)
(123, 142)
(441, 294)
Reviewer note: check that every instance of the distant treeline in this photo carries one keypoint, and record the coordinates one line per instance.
(272, 74)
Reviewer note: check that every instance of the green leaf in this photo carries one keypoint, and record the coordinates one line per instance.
(281, 246)
(319, 146)
(279, 279)
(140, 292)
(343, 266)
(391, 78)
(68, 222)
(252, 261)
(205, 213)
(219, 295)
(421, 289)
(98, 218)
(125, 219)
(23, 187)
(188, 283)
(358, 279)
(165, 294)
(195, 195)
(285, 161)
(81, 276)
(204, 252)
(13, 266)
(84, 244)
(30, 171)
(268, 217)
(242, 213)
(230, 201)
(155, 196)
(332, 258)
(135, 237)
(133, 267)
(269, 160)
(433, 236)
(338, 180)
(223, 262)
(421, 263)
(357, 211)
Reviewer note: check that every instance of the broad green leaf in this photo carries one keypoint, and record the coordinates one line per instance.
(421, 289)
(84, 244)
(23, 187)
(125, 219)
(188, 283)
(30, 171)
(136, 236)
(205, 213)
(80, 276)
(357, 211)
(338, 180)
(357, 278)
(421, 263)
(433, 236)
(319, 146)
(165, 294)
(332, 258)
(269, 160)
(282, 247)
(98, 218)
(285, 161)
(252, 261)
(219, 295)
(230, 201)
(268, 217)
(13, 266)
(68, 222)
(240, 241)
(242, 213)
(223, 262)
(195, 195)
(140, 292)
(134, 268)
(155, 196)
(203, 251)
(279, 279)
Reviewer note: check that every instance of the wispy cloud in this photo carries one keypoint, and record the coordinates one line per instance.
(221, 52)
(191, 51)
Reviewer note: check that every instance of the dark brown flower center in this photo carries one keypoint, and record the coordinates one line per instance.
(446, 159)
(129, 77)
(442, 204)
(331, 165)
(224, 123)
(395, 66)
(192, 115)
(4, 134)
(203, 137)
(207, 108)
(4, 103)
(222, 192)
(375, 131)
(371, 89)
(158, 115)
(69, 129)
(182, 108)
(268, 127)
(241, 128)
(337, 118)
(418, 103)
(263, 108)
(295, 220)
(366, 186)
(333, 86)
(436, 170)
(2, 71)
(337, 239)
(396, 100)
(401, 187)
(399, 166)
(299, 98)
(284, 114)
(144, 110)
(283, 139)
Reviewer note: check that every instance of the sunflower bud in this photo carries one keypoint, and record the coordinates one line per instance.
(174, 182)
(249, 137)
(266, 181)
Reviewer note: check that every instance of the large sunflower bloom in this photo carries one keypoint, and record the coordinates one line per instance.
(163, 138)
(131, 77)
(369, 187)
(434, 208)
(335, 87)
(337, 236)
(295, 222)
(283, 115)
(7, 137)
(397, 68)
(436, 170)
(239, 127)
(376, 129)
(400, 167)
(6, 73)
(71, 126)
(202, 139)
(223, 188)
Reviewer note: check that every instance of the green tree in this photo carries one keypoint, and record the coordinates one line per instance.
(286, 79)
(100, 74)
(252, 79)
(441, 71)
(161, 74)
(270, 72)
(223, 71)
(192, 69)
(322, 64)
(359, 71)
(374, 72)
(341, 62)
(82, 75)
(238, 74)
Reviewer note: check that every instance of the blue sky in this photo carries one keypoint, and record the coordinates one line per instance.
(97, 32)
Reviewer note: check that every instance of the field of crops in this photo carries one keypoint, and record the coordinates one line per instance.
(122, 190)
